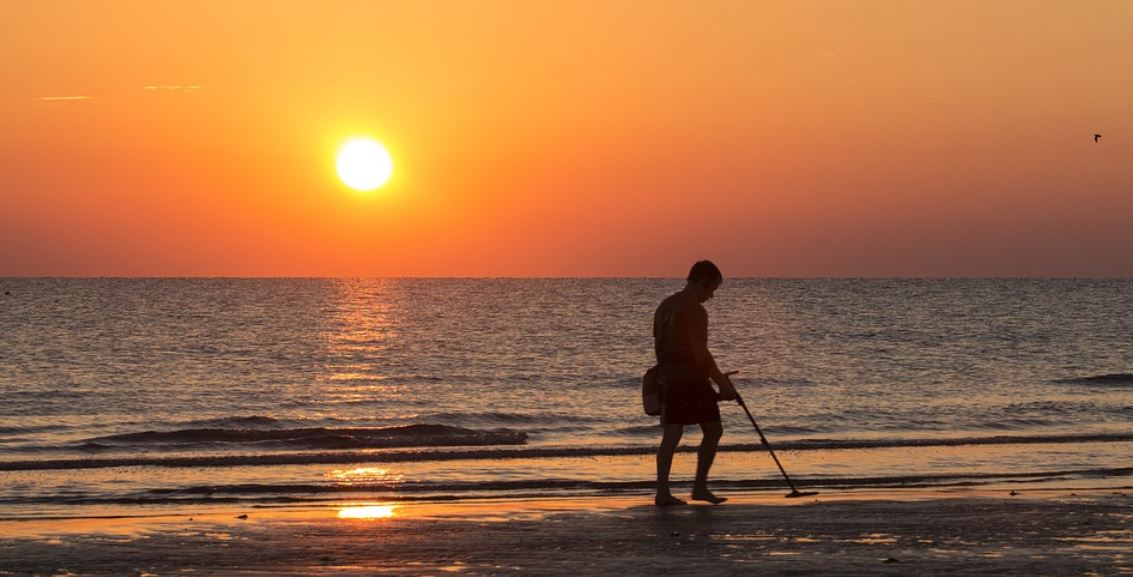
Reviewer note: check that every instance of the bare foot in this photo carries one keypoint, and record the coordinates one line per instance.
(706, 495)
(667, 501)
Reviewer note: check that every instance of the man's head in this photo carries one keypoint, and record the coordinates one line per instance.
(704, 278)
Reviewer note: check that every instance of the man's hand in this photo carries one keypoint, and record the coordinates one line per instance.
(727, 390)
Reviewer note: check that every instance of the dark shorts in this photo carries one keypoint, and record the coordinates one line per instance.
(689, 403)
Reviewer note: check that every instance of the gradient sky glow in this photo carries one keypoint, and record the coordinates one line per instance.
(568, 138)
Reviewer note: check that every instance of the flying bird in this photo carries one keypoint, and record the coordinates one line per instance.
(1097, 137)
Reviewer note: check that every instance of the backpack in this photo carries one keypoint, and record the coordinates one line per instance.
(651, 391)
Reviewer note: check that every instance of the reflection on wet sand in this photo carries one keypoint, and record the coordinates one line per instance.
(367, 512)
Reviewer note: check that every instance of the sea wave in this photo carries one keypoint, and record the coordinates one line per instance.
(28, 429)
(422, 435)
(638, 431)
(654, 430)
(1106, 379)
(1020, 423)
(493, 417)
(452, 454)
(241, 422)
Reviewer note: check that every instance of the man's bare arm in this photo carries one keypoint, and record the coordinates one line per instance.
(704, 359)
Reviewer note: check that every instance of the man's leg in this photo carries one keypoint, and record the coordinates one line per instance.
(669, 441)
(704, 457)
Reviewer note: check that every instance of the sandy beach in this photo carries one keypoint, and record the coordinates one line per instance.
(922, 532)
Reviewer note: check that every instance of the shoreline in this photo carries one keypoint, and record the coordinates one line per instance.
(1056, 530)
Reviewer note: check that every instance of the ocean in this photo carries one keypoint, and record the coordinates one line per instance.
(142, 394)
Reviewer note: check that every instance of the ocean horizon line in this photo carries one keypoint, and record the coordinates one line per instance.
(561, 277)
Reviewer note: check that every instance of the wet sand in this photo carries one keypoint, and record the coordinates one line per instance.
(1050, 532)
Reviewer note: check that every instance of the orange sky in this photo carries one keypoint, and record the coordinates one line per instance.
(575, 138)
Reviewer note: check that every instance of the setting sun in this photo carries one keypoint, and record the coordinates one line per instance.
(363, 164)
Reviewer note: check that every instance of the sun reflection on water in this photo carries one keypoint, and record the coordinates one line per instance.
(367, 512)
(362, 322)
(363, 475)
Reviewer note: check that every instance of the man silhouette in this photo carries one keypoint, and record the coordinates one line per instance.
(680, 340)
